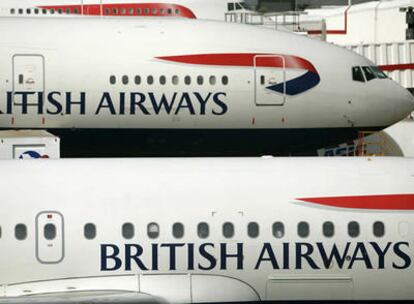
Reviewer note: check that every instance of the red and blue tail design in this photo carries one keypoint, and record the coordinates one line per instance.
(291, 87)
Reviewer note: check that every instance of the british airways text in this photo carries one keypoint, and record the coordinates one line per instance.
(123, 103)
(222, 256)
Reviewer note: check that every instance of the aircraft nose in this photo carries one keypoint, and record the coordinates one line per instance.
(405, 103)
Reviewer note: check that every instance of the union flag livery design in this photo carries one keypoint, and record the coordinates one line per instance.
(295, 86)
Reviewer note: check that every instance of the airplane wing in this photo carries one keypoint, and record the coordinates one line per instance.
(86, 297)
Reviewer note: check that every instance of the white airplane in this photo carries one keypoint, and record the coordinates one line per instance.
(200, 9)
(143, 85)
(206, 230)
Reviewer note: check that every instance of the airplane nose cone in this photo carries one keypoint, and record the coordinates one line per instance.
(405, 105)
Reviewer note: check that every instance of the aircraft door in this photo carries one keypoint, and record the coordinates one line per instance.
(270, 80)
(28, 75)
(49, 237)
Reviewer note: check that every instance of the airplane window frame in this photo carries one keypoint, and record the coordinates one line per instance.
(49, 234)
(175, 80)
(89, 231)
(150, 80)
(253, 230)
(382, 229)
(20, 232)
(212, 80)
(128, 230)
(178, 230)
(187, 80)
(278, 233)
(163, 80)
(354, 231)
(369, 72)
(137, 79)
(303, 229)
(125, 79)
(225, 80)
(153, 234)
(200, 80)
(203, 230)
(228, 230)
(358, 74)
(330, 231)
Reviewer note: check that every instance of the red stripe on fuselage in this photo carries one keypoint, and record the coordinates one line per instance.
(245, 60)
(396, 67)
(126, 9)
(370, 202)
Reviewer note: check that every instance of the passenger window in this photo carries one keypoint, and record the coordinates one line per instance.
(150, 79)
(21, 78)
(177, 11)
(154, 11)
(228, 230)
(36, 11)
(163, 80)
(20, 232)
(328, 229)
(203, 230)
(131, 11)
(253, 230)
(169, 11)
(28, 11)
(212, 80)
(187, 80)
(60, 11)
(112, 79)
(137, 79)
(225, 80)
(178, 230)
(49, 232)
(68, 11)
(161, 11)
(76, 11)
(278, 230)
(52, 11)
(123, 11)
(125, 79)
(369, 74)
(153, 230)
(20, 11)
(107, 11)
(12, 11)
(128, 231)
(175, 80)
(44, 11)
(353, 229)
(200, 80)
(115, 11)
(357, 74)
(262, 80)
(138, 11)
(303, 229)
(89, 231)
(379, 229)
(146, 11)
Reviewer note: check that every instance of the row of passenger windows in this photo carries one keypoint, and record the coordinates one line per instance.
(367, 73)
(175, 80)
(106, 11)
(203, 230)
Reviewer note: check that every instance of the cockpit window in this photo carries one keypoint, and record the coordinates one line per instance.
(357, 74)
(380, 74)
(243, 5)
(369, 74)
(230, 7)
(238, 6)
